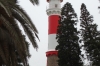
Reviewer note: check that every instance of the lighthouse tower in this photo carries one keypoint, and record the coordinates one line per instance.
(53, 13)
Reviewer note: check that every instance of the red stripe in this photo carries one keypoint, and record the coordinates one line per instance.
(53, 23)
(50, 53)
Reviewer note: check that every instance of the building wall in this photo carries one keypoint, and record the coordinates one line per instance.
(52, 60)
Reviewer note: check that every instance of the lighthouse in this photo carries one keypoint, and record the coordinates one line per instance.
(53, 13)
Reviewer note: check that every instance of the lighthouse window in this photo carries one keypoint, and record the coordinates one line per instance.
(55, 5)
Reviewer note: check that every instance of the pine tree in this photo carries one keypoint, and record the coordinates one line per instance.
(90, 36)
(68, 46)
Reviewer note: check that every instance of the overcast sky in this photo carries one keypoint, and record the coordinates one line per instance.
(40, 19)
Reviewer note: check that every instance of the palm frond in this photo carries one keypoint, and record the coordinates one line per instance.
(6, 51)
(13, 56)
(4, 5)
(26, 29)
(34, 2)
(23, 14)
(2, 55)
(13, 45)
(16, 40)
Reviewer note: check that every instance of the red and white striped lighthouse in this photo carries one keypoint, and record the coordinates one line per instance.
(53, 13)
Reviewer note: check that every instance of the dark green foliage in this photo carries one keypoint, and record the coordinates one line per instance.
(90, 36)
(68, 46)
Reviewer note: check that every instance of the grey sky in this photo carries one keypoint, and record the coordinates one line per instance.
(40, 19)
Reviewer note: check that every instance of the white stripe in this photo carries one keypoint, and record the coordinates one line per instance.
(52, 42)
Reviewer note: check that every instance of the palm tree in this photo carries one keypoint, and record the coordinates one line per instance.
(14, 49)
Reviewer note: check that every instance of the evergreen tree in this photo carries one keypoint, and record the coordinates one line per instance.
(90, 36)
(68, 46)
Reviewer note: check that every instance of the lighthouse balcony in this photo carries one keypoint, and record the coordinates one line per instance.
(53, 11)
